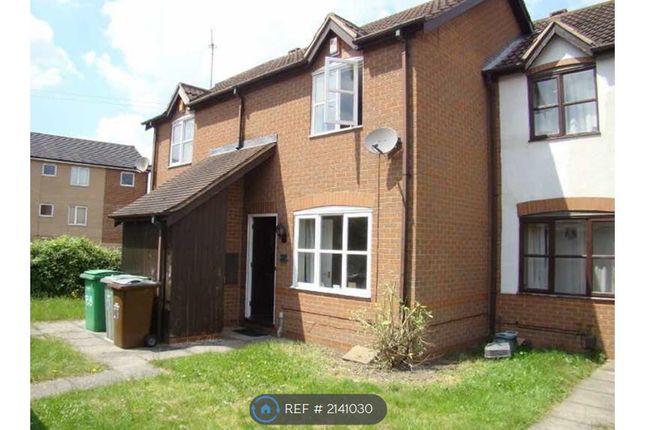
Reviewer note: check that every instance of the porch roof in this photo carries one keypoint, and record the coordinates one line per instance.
(193, 186)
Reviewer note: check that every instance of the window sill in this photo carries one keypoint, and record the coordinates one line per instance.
(567, 296)
(362, 294)
(127, 186)
(172, 166)
(329, 133)
(566, 136)
(77, 185)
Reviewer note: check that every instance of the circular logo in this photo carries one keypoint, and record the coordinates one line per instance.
(265, 409)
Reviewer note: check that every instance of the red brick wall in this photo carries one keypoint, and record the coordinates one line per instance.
(559, 322)
(116, 197)
(235, 225)
(450, 258)
(448, 222)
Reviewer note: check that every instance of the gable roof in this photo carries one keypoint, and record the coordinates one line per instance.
(592, 26)
(74, 150)
(435, 11)
(207, 176)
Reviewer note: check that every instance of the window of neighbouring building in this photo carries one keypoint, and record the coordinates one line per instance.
(127, 179)
(49, 170)
(564, 103)
(568, 253)
(336, 95)
(46, 210)
(80, 176)
(77, 215)
(181, 141)
(332, 252)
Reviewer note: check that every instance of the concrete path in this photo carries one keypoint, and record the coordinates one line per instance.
(122, 364)
(590, 406)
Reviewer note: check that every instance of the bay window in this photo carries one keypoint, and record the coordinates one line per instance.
(181, 141)
(332, 248)
(336, 101)
(568, 253)
(563, 103)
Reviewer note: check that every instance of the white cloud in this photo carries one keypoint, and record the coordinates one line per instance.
(171, 45)
(126, 129)
(49, 63)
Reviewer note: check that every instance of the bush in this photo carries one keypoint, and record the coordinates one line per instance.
(398, 331)
(56, 265)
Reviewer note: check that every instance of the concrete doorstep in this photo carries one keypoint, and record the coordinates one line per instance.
(123, 364)
(590, 405)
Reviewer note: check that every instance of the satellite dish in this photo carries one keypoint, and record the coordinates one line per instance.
(142, 164)
(381, 141)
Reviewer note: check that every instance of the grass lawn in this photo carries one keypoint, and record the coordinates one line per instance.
(53, 358)
(214, 391)
(57, 308)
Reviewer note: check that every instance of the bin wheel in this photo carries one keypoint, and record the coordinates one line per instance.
(151, 340)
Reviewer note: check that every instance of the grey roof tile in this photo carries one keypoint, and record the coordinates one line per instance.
(594, 22)
(191, 183)
(74, 150)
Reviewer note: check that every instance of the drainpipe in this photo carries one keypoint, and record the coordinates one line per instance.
(493, 197)
(153, 180)
(405, 288)
(240, 129)
(161, 273)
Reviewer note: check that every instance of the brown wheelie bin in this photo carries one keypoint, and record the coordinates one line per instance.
(132, 307)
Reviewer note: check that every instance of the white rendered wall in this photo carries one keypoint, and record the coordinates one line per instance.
(573, 167)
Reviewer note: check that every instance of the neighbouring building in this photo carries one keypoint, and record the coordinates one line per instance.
(555, 143)
(77, 183)
(267, 207)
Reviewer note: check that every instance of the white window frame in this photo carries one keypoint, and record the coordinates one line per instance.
(42, 171)
(76, 169)
(317, 214)
(75, 208)
(40, 208)
(182, 123)
(127, 185)
(332, 64)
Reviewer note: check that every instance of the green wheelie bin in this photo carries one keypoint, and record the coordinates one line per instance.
(95, 298)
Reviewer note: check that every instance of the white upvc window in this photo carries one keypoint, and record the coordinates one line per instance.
(332, 250)
(80, 176)
(49, 169)
(127, 179)
(77, 215)
(335, 99)
(181, 141)
(46, 210)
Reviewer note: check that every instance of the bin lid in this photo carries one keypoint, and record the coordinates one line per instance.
(125, 280)
(95, 274)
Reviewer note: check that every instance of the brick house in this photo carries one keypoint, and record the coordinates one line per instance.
(555, 145)
(77, 183)
(267, 207)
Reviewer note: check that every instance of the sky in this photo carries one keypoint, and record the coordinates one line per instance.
(99, 68)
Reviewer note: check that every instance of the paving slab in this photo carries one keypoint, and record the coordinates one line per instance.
(122, 364)
(590, 405)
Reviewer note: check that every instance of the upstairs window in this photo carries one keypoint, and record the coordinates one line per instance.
(181, 141)
(564, 103)
(568, 254)
(332, 252)
(49, 170)
(80, 176)
(127, 179)
(336, 95)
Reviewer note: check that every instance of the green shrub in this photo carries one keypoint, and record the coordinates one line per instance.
(56, 265)
(398, 331)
